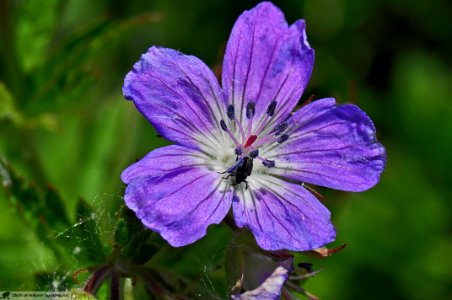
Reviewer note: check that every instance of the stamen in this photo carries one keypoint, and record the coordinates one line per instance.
(280, 128)
(225, 128)
(271, 108)
(254, 153)
(268, 139)
(250, 140)
(242, 132)
(223, 125)
(269, 163)
(283, 138)
(262, 125)
(230, 112)
(250, 110)
(270, 112)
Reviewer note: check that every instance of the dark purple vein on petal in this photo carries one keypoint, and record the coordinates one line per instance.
(219, 202)
(255, 210)
(280, 154)
(279, 222)
(245, 84)
(323, 176)
(267, 68)
(194, 112)
(187, 184)
(201, 94)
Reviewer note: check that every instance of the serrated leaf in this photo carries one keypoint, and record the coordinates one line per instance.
(84, 236)
(55, 211)
(46, 216)
(134, 238)
(24, 196)
(30, 206)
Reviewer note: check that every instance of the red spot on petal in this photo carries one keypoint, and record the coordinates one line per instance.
(250, 140)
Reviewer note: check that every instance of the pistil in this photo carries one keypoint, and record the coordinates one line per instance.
(226, 129)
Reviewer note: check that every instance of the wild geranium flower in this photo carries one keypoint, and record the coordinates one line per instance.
(270, 289)
(240, 145)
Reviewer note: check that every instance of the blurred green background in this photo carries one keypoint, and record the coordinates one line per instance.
(65, 125)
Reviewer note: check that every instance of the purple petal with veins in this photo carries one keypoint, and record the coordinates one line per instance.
(240, 145)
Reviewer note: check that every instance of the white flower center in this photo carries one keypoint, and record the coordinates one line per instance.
(237, 153)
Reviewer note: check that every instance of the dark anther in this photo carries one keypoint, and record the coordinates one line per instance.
(238, 151)
(271, 108)
(269, 163)
(223, 125)
(283, 138)
(230, 112)
(254, 153)
(250, 109)
(280, 128)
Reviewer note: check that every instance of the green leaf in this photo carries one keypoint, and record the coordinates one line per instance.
(24, 196)
(202, 260)
(75, 64)
(55, 211)
(84, 236)
(31, 207)
(9, 112)
(55, 280)
(8, 108)
(45, 214)
(134, 239)
(35, 28)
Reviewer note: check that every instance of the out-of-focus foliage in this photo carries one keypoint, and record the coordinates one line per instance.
(66, 134)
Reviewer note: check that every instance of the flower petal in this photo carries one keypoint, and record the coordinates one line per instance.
(257, 268)
(270, 289)
(266, 60)
(331, 145)
(173, 193)
(177, 93)
(282, 215)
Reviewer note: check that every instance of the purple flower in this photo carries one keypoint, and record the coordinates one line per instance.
(257, 274)
(240, 145)
(270, 289)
